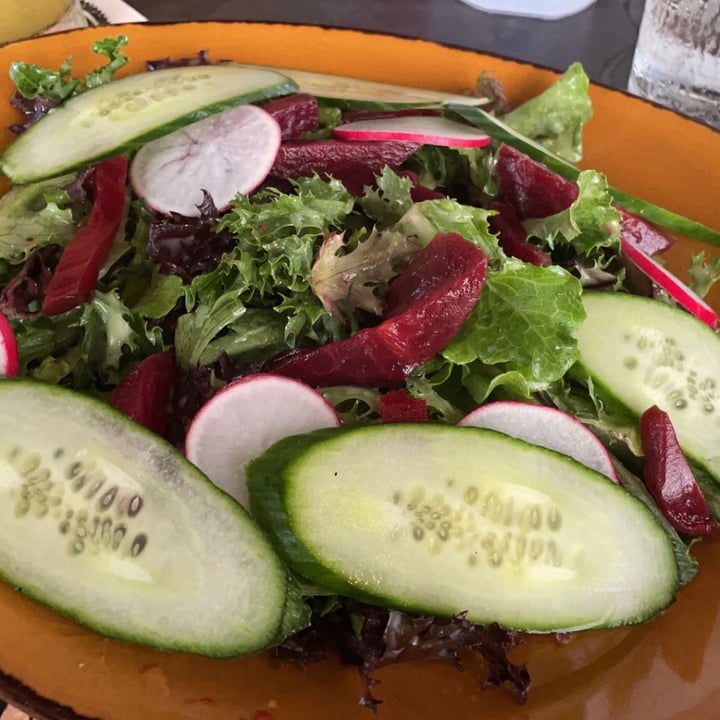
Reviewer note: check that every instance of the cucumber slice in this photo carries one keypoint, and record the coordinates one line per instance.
(122, 115)
(640, 352)
(360, 92)
(442, 520)
(110, 525)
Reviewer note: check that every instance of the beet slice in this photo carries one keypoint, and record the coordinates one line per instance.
(535, 191)
(302, 158)
(670, 479)
(643, 235)
(295, 114)
(399, 406)
(512, 237)
(144, 394)
(426, 307)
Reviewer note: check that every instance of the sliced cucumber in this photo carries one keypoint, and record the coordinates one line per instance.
(442, 520)
(358, 92)
(640, 352)
(122, 115)
(111, 526)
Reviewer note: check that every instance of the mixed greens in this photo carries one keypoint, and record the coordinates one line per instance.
(299, 277)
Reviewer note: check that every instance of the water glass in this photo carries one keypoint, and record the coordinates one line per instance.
(677, 57)
(541, 9)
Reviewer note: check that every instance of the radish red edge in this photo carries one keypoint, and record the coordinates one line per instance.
(9, 356)
(662, 277)
(244, 418)
(426, 129)
(545, 426)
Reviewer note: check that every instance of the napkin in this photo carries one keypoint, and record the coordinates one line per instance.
(104, 12)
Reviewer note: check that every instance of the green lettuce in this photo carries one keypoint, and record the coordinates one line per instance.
(556, 117)
(589, 226)
(426, 219)
(58, 85)
(524, 322)
(278, 236)
(88, 348)
(31, 217)
(390, 200)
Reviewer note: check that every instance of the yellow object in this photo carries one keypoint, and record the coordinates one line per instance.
(26, 18)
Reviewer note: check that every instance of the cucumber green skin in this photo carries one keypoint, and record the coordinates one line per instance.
(608, 389)
(292, 613)
(269, 478)
(16, 163)
(266, 485)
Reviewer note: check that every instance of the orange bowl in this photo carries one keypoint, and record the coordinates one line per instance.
(665, 670)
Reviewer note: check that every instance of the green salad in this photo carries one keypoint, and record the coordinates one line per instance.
(433, 386)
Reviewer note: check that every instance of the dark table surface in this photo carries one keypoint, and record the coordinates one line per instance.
(601, 37)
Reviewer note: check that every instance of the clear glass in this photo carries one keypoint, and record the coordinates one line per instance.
(677, 57)
(21, 19)
(542, 9)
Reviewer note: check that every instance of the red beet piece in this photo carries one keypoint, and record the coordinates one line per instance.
(670, 479)
(296, 114)
(144, 394)
(644, 235)
(536, 192)
(399, 406)
(76, 275)
(302, 158)
(531, 188)
(426, 307)
(512, 236)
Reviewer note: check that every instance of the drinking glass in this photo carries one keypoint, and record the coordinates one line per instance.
(677, 57)
(21, 19)
(542, 9)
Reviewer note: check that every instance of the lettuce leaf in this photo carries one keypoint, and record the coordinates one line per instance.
(525, 322)
(426, 219)
(88, 348)
(30, 217)
(589, 226)
(346, 279)
(390, 200)
(58, 85)
(556, 117)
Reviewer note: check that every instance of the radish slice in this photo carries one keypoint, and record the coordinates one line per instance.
(426, 129)
(672, 285)
(225, 154)
(9, 359)
(547, 427)
(244, 419)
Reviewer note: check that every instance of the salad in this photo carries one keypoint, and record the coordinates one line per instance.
(385, 273)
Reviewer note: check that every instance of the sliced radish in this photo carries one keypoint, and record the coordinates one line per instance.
(547, 427)
(9, 359)
(244, 419)
(225, 154)
(427, 129)
(672, 285)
